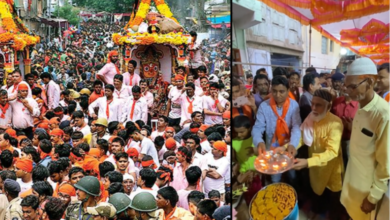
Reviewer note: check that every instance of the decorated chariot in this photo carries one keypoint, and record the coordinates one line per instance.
(15, 41)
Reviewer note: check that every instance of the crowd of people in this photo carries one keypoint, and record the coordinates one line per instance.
(336, 125)
(79, 139)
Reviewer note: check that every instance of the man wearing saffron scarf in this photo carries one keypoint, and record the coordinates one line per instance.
(135, 108)
(214, 106)
(56, 136)
(368, 171)
(109, 107)
(107, 73)
(279, 118)
(24, 111)
(189, 103)
(5, 110)
(322, 132)
(18, 80)
(130, 78)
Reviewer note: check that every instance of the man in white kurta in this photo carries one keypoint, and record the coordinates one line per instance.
(368, 170)
(131, 78)
(24, 110)
(135, 107)
(189, 103)
(109, 107)
(122, 92)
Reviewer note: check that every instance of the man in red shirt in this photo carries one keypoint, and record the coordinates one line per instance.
(345, 108)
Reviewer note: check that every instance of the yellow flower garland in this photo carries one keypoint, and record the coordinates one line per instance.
(21, 40)
(147, 39)
(143, 10)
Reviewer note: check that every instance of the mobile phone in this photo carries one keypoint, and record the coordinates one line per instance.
(240, 101)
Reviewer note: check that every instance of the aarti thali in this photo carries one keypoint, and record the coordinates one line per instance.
(272, 162)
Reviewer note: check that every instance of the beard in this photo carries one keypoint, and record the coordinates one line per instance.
(318, 117)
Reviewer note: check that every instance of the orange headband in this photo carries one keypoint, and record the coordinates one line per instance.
(57, 132)
(220, 145)
(24, 164)
(165, 175)
(194, 130)
(59, 113)
(67, 189)
(170, 129)
(179, 77)
(149, 163)
(22, 86)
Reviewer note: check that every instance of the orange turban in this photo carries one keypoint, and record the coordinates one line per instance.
(226, 114)
(170, 143)
(203, 127)
(169, 129)
(110, 54)
(67, 189)
(54, 120)
(24, 164)
(44, 125)
(132, 152)
(91, 163)
(94, 152)
(22, 86)
(220, 145)
(21, 137)
(11, 132)
(57, 132)
(179, 77)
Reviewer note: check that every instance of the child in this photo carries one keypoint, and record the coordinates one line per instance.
(243, 142)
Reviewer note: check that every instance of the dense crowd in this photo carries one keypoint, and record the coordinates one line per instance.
(79, 139)
(335, 124)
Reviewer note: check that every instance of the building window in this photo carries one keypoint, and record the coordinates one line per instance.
(324, 45)
(331, 46)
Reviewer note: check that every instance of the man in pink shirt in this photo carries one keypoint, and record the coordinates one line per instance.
(130, 78)
(107, 73)
(193, 175)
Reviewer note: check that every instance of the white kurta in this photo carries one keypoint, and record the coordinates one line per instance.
(140, 110)
(368, 169)
(208, 103)
(123, 94)
(131, 81)
(148, 96)
(183, 99)
(115, 109)
(6, 119)
(21, 117)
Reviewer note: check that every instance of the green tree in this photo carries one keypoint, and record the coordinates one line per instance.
(68, 12)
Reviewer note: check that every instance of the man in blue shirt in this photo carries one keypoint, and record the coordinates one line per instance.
(279, 118)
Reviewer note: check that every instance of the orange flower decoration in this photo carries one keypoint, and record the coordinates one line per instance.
(147, 40)
(159, 2)
(146, 1)
(6, 37)
(137, 21)
(9, 25)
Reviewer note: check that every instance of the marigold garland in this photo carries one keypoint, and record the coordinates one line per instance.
(21, 40)
(147, 39)
(143, 10)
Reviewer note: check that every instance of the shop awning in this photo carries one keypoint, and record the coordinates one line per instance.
(360, 25)
(55, 22)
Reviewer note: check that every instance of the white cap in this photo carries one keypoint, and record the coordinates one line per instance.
(362, 66)
(128, 176)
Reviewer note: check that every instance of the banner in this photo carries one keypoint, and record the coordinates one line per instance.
(117, 18)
